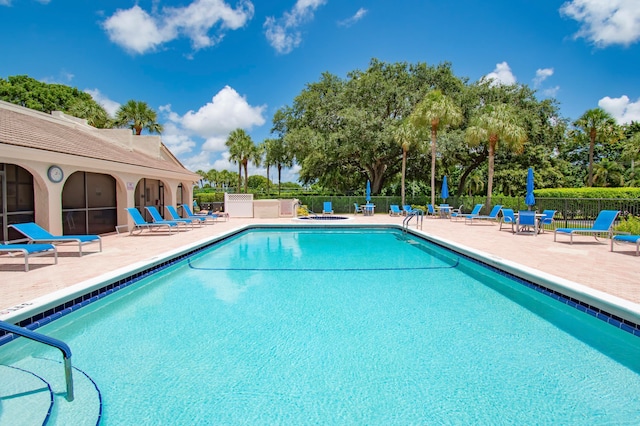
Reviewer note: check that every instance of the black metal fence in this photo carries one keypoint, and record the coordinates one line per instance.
(570, 212)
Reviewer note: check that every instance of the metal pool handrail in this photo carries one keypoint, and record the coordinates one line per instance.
(418, 214)
(50, 341)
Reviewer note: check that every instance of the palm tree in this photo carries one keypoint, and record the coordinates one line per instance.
(203, 177)
(138, 116)
(631, 149)
(608, 173)
(474, 184)
(225, 177)
(241, 149)
(212, 177)
(269, 160)
(91, 111)
(494, 124)
(436, 110)
(256, 157)
(597, 124)
(405, 135)
(279, 155)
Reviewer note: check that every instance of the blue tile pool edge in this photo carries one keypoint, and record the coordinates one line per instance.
(108, 287)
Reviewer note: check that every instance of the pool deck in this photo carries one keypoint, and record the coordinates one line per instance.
(587, 261)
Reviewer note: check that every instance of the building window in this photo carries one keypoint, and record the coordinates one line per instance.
(16, 195)
(89, 204)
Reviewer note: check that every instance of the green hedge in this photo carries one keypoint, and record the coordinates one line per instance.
(209, 197)
(626, 193)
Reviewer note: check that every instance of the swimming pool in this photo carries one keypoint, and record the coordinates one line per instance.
(343, 326)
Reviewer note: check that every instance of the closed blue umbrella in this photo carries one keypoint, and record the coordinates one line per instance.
(444, 193)
(530, 200)
(368, 191)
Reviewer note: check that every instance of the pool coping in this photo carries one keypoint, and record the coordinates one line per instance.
(617, 311)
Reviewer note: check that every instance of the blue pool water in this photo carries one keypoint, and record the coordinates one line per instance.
(344, 327)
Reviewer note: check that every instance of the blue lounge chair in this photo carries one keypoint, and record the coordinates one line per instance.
(527, 223)
(174, 215)
(455, 213)
(29, 250)
(36, 234)
(328, 208)
(474, 212)
(602, 225)
(632, 239)
(139, 224)
(407, 210)
(209, 217)
(508, 217)
(547, 219)
(492, 216)
(157, 218)
(394, 210)
(357, 208)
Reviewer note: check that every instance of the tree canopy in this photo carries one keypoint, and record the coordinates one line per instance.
(343, 131)
(30, 93)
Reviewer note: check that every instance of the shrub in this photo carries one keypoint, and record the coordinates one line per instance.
(630, 224)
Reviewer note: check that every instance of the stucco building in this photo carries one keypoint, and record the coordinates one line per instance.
(72, 178)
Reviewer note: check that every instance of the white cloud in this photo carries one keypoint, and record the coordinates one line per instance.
(64, 77)
(138, 31)
(288, 175)
(502, 75)
(227, 111)
(621, 108)
(215, 144)
(212, 123)
(110, 106)
(605, 22)
(135, 30)
(200, 161)
(176, 139)
(283, 33)
(223, 163)
(355, 18)
(551, 92)
(8, 2)
(541, 75)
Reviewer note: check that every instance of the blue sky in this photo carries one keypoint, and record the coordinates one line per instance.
(210, 66)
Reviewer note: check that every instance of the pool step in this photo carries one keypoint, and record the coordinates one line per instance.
(85, 409)
(25, 398)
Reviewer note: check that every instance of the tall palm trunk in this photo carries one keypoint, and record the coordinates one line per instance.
(592, 145)
(404, 172)
(434, 132)
(267, 179)
(245, 163)
(493, 140)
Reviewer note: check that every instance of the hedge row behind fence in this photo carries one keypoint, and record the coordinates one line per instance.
(570, 212)
(573, 211)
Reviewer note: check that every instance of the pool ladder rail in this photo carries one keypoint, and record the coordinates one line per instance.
(418, 214)
(50, 341)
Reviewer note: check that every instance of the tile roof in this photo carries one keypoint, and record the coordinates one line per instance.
(32, 129)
